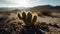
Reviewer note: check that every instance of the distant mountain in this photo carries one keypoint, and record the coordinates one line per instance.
(57, 7)
(45, 7)
(10, 9)
(33, 8)
(4, 9)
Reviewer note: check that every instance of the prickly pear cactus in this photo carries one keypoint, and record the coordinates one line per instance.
(28, 20)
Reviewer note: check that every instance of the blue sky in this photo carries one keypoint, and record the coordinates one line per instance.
(28, 3)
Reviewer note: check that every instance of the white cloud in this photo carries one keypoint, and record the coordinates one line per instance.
(27, 3)
(15, 3)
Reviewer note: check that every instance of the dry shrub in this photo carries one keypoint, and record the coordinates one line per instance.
(46, 12)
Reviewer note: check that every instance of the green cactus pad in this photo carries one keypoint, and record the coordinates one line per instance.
(34, 19)
(29, 17)
(19, 16)
(24, 15)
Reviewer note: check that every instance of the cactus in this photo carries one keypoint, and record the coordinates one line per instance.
(28, 20)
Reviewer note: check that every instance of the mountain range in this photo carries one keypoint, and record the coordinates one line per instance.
(45, 7)
(32, 8)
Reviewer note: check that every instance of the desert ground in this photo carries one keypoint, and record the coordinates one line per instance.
(48, 24)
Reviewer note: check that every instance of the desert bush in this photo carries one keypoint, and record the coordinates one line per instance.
(11, 28)
(55, 24)
(46, 12)
(8, 26)
(43, 26)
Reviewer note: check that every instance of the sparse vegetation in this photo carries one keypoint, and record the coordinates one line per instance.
(32, 26)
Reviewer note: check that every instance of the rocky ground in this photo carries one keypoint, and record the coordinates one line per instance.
(53, 20)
